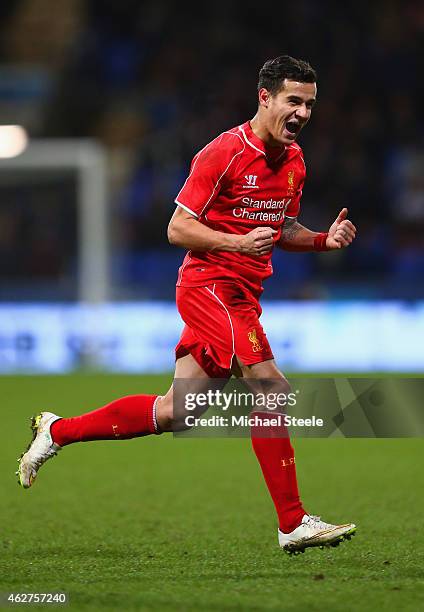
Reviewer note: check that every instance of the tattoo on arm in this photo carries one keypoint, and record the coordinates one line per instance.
(290, 228)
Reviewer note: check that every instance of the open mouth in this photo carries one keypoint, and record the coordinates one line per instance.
(292, 127)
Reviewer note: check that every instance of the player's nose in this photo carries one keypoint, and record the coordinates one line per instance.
(303, 112)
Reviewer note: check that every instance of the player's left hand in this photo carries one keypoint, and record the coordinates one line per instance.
(341, 233)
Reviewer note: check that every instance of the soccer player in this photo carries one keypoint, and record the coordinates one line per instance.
(240, 201)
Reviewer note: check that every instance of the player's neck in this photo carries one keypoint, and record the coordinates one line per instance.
(260, 130)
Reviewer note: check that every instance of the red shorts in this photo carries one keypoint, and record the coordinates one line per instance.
(222, 320)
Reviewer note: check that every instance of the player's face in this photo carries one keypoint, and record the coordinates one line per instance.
(288, 111)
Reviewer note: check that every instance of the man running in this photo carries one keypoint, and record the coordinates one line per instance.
(240, 201)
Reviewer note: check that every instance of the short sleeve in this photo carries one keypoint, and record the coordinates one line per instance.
(209, 169)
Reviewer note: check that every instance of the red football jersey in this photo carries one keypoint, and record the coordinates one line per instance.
(236, 184)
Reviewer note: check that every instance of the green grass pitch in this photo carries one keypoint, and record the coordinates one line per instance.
(179, 524)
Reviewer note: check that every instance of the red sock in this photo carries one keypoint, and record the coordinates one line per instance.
(128, 417)
(276, 457)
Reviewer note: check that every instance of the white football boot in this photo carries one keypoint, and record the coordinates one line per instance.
(312, 531)
(40, 449)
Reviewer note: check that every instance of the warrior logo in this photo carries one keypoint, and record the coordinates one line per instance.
(250, 181)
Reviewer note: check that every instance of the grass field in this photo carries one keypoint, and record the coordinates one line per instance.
(183, 524)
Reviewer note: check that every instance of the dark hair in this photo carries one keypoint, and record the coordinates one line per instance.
(274, 71)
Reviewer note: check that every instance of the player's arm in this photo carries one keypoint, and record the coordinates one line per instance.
(185, 231)
(296, 237)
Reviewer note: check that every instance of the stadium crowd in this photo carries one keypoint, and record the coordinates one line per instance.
(154, 82)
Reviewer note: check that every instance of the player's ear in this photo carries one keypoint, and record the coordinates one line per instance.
(263, 97)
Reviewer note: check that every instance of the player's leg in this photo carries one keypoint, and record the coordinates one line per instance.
(186, 369)
(132, 416)
(226, 318)
(274, 450)
(127, 417)
(297, 529)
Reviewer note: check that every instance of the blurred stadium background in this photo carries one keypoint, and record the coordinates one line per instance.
(103, 103)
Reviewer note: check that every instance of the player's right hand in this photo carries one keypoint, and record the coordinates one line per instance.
(257, 242)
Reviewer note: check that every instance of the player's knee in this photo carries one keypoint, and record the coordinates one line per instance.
(268, 374)
(164, 413)
(169, 419)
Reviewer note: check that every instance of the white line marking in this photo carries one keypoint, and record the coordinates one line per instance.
(229, 318)
(186, 208)
(249, 143)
